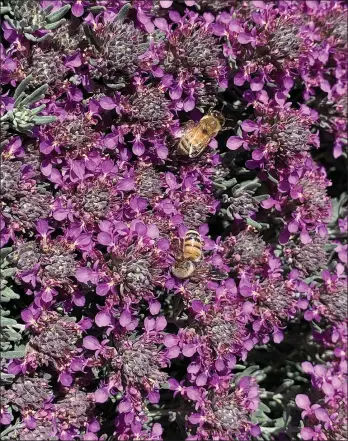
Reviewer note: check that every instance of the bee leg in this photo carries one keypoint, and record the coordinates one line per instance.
(172, 143)
(178, 252)
(121, 289)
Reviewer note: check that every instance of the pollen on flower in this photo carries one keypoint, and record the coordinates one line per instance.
(248, 248)
(29, 393)
(192, 47)
(148, 181)
(54, 343)
(120, 45)
(10, 179)
(285, 41)
(75, 408)
(335, 301)
(151, 108)
(59, 266)
(309, 258)
(48, 68)
(26, 256)
(42, 431)
(75, 135)
(224, 333)
(139, 362)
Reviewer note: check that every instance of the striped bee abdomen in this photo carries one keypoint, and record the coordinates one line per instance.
(192, 246)
(184, 146)
(183, 269)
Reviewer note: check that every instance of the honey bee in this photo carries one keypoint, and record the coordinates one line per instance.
(191, 253)
(197, 136)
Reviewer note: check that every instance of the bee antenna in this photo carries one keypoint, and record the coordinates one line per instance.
(226, 119)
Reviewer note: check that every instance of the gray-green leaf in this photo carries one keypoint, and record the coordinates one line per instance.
(38, 94)
(13, 354)
(5, 321)
(22, 86)
(57, 15)
(121, 16)
(7, 293)
(41, 120)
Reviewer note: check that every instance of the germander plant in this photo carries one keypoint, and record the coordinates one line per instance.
(99, 340)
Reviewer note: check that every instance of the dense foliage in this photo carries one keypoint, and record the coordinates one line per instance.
(99, 340)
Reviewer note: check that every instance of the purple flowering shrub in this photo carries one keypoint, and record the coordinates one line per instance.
(99, 339)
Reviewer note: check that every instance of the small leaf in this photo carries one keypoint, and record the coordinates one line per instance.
(5, 252)
(247, 372)
(316, 327)
(254, 224)
(279, 422)
(55, 25)
(123, 12)
(41, 120)
(92, 37)
(38, 94)
(4, 321)
(57, 15)
(261, 416)
(262, 197)
(4, 376)
(19, 99)
(3, 143)
(26, 130)
(239, 367)
(250, 370)
(13, 354)
(11, 22)
(97, 9)
(271, 178)
(264, 408)
(22, 86)
(12, 335)
(115, 86)
(8, 272)
(38, 109)
(44, 37)
(10, 429)
(286, 385)
(5, 9)
(6, 117)
(30, 37)
(9, 294)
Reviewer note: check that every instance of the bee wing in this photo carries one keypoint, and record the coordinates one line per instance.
(189, 125)
(185, 129)
(198, 140)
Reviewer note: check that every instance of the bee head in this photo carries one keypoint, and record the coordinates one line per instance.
(219, 116)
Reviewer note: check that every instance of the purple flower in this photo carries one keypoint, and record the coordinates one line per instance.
(96, 206)
(222, 409)
(78, 8)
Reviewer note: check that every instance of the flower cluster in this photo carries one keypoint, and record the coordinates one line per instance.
(102, 340)
(326, 418)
